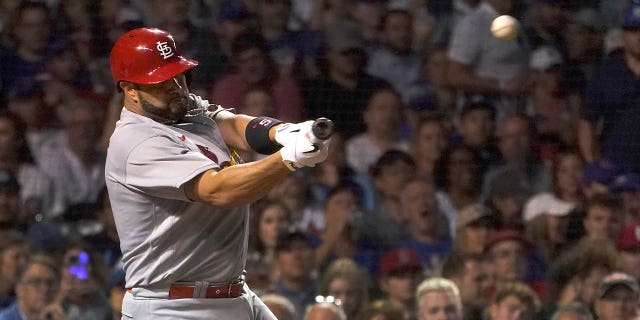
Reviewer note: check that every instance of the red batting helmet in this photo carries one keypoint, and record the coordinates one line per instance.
(147, 56)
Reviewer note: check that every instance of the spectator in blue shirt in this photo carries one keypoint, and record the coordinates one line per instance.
(612, 102)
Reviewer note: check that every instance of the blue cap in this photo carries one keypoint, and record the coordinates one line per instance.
(631, 18)
(45, 237)
(601, 171)
(232, 10)
(626, 182)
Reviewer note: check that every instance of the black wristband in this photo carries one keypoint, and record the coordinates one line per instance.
(257, 135)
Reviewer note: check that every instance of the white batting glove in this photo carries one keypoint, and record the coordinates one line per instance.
(301, 152)
(286, 133)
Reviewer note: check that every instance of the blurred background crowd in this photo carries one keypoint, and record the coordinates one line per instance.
(470, 177)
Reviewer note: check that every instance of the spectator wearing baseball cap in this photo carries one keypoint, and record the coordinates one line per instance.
(473, 226)
(506, 251)
(400, 273)
(546, 204)
(511, 257)
(584, 35)
(597, 177)
(474, 128)
(628, 245)
(546, 224)
(609, 89)
(617, 297)
(550, 105)
(627, 186)
(295, 263)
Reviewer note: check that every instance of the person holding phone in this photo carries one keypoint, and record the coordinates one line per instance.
(81, 293)
(36, 287)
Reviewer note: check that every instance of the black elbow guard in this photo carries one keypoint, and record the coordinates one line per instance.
(257, 135)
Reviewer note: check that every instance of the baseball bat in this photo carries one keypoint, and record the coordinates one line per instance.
(322, 128)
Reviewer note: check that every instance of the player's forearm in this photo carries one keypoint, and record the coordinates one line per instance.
(239, 184)
(233, 128)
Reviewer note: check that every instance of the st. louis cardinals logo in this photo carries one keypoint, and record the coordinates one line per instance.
(165, 51)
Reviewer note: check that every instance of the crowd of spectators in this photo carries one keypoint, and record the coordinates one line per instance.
(469, 178)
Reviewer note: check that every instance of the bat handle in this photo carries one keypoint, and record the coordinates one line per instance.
(322, 128)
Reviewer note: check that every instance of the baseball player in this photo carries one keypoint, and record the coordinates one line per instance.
(179, 197)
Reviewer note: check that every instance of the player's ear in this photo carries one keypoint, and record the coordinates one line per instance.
(128, 88)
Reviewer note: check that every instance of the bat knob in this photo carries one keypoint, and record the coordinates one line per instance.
(322, 128)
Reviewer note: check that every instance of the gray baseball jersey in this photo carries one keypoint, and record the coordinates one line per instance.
(165, 237)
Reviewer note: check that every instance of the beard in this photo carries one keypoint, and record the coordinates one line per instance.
(174, 110)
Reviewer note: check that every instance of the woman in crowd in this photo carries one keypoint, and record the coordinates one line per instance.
(474, 225)
(37, 191)
(345, 281)
(269, 218)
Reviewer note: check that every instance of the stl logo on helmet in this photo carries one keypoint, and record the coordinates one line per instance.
(165, 51)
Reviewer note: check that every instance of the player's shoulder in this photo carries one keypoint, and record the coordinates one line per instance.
(136, 133)
(132, 132)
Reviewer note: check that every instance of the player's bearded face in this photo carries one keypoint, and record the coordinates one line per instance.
(172, 110)
(166, 102)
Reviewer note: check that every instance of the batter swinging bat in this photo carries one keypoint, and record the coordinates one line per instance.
(322, 128)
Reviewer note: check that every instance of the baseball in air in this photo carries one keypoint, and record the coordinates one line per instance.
(504, 27)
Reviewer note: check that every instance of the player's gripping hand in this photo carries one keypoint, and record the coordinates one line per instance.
(304, 150)
(286, 133)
